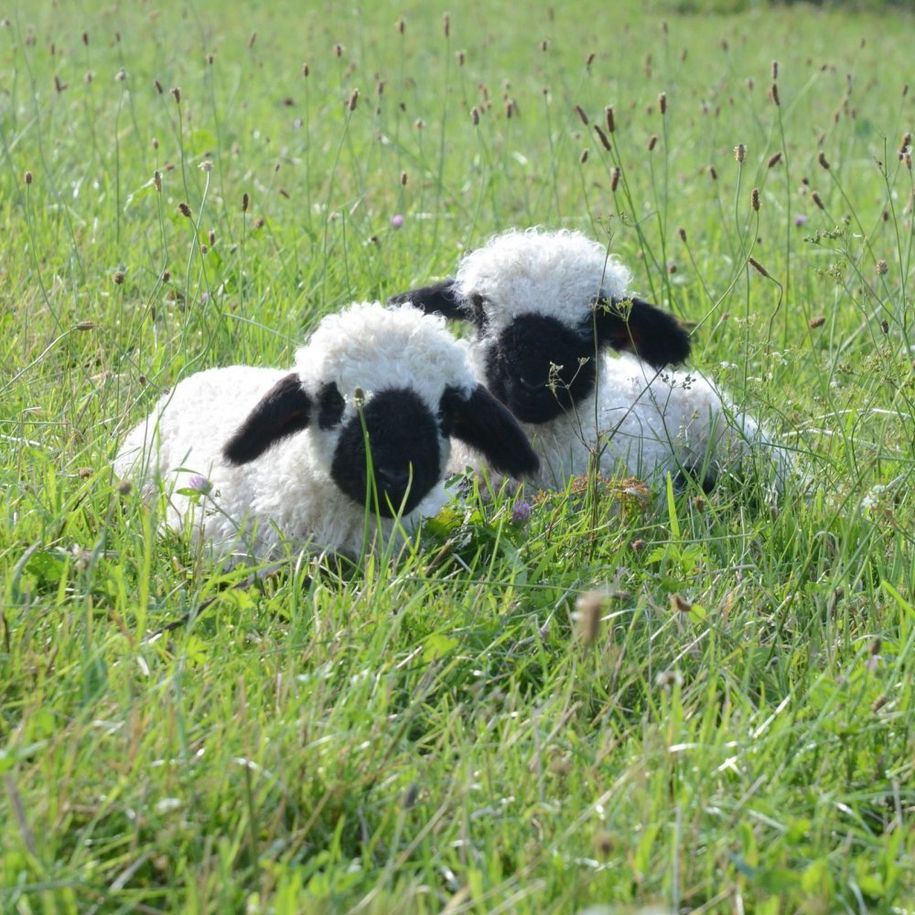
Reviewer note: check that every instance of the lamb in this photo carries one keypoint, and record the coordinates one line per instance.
(547, 308)
(255, 455)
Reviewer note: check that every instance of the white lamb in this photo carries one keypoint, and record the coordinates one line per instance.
(253, 455)
(547, 308)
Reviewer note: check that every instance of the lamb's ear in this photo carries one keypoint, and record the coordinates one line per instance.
(439, 298)
(641, 328)
(283, 410)
(479, 420)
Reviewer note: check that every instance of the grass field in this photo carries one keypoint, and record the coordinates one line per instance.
(443, 734)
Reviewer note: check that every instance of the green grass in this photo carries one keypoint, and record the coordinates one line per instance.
(439, 734)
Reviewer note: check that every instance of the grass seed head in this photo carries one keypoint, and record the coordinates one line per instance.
(581, 115)
(615, 178)
(403, 179)
(774, 160)
(682, 233)
(27, 177)
(609, 118)
(817, 321)
(713, 173)
(882, 267)
(590, 59)
(176, 94)
(773, 94)
(446, 25)
(652, 142)
(604, 139)
(824, 162)
(475, 115)
(740, 152)
(590, 607)
(758, 267)
(583, 157)
(157, 180)
(754, 199)
(662, 102)
(245, 200)
(774, 69)
(184, 209)
(815, 197)
(353, 100)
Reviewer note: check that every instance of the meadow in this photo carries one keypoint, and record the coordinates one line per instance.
(642, 702)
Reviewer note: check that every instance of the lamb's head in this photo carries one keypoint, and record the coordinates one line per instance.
(543, 305)
(381, 390)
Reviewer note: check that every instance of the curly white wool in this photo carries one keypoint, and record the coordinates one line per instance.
(288, 492)
(637, 420)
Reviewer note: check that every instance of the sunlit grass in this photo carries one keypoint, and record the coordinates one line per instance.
(189, 186)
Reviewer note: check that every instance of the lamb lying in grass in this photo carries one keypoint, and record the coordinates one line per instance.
(283, 453)
(547, 308)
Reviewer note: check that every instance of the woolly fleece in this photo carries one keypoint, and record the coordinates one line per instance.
(643, 422)
(288, 492)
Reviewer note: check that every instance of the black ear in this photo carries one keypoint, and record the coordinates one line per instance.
(284, 409)
(638, 327)
(439, 298)
(487, 426)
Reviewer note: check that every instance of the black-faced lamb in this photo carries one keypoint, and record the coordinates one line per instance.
(547, 309)
(254, 455)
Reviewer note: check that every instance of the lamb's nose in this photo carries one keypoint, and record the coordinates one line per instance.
(530, 386)
(391, 479)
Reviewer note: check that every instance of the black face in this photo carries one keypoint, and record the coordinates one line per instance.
(403, 437)
(520, 367)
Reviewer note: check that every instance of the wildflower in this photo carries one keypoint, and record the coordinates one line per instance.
(800, 219)
(206, 165)
(667, 679)
(396, 221)
(882, 267)
(521, 512)
(199, 483)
